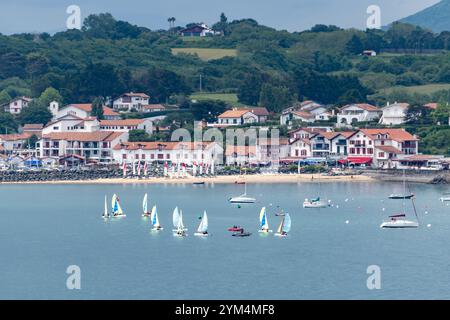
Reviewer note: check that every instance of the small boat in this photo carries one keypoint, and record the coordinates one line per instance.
(176, 217)
(446, 197)
(315, 203)
(202, 230)
(280, 214)
(401, 196)
(180, 231)
(243, 198)
(239, 182)
(117, 211)
(199, 183)
(145, 207)
(399, 221)
(242, 233)
(155, 221)
(263, 222)
(235, 229)
(284, 227)
(105, 214)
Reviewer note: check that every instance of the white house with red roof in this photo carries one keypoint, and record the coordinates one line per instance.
(357, 112)
(88, 146)
(171, 152)
(237, 117)
(394, 114)
(126, 125)
(131, 101)
(84, 110)
(16, 105)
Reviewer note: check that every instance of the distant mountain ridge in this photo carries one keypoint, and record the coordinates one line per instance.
(436, 17)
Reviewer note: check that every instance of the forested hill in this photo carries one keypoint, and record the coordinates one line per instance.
(436, 17)
(109, 57)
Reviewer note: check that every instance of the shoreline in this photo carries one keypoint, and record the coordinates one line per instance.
(231, 179)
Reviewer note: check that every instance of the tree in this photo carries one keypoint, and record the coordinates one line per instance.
(275, 98)
(249, 90)
(97, 108)
(441, 114)
(138, 136)
(31, 142)
(35, 113)
(49, 95)
(208, 110)
(8, 123)
(4, 97)
(355, 45)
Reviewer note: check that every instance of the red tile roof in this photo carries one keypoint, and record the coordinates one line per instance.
(389, 149)
(303, 114)
(88, 108)
(96, 136)
(364, 106)
(15, 136)
(156, 145)
(432, 105)
(399, 135)
(125, 122)
(136, 94)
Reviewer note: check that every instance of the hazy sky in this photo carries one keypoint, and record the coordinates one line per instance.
(294, 15)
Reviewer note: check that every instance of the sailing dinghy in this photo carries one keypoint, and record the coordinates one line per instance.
(243, 198)
(263, 223)
(145, 211)
(284, 227)
(176, 217)
(202, 230)
(181, 230)
(105, 214)
(117, 211)
(154, 219)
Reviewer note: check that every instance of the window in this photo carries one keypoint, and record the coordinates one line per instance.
(143, 157)
(168, 156)
(124, 156)
(160, 156)
(352, 150)
(370, 151)
(380, 154)
(303, 153)
(136, 156)
(152, 156)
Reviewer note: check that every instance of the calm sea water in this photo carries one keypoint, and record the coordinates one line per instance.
(46, 228)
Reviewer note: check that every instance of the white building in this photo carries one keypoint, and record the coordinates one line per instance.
(126, 125)
(84, 110)
(16, 105)
(171, 152)
(89, 146)
(131, 102)
(394, 114)
(354, 113)
(237, 117)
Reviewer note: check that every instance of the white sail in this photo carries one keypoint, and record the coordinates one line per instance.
(154, 218)
(145, 204)
(280, 227)
(287, 223)
(264, 224)
(176, 217)
(181, 220)
(105, 214)
(203, 227)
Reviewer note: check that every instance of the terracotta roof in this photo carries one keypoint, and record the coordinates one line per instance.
(259, 111)
(419, 157)
(303, 114)
(153, 106)
(329, 135)
(84, 136)
(33, 126)
(235, 113)
(156, 145)
(432, 105)
(364, 106)
(346, 134)
(88, 108)
(125, 122)
(135, 94)
(240, 150)
(389, 149)
(399, 135)
(15, 136)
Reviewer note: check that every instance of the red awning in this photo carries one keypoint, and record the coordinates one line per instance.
(356, 160)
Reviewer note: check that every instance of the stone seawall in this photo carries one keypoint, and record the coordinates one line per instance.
(432, 177)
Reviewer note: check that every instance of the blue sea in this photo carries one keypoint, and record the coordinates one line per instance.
(44, 229)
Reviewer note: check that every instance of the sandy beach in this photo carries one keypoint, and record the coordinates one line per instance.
(272, 178)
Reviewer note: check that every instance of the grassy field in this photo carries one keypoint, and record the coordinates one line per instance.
(423, 89)
(207, 54)
(230, 98)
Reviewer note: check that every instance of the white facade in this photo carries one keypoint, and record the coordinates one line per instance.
(131, 101)
(394, 114)
(16, 105)
(127, 125)
(354, 113)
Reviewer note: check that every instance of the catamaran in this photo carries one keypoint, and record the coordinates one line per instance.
(284, 227)
(263, 222)
(116, 208)
(243, 198)
(181, 230)
(105, 214)
(399, 220)
(315, 203)
(155, 221)
(202, 230)
(145, 207)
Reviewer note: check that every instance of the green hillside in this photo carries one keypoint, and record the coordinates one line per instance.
(436, 17)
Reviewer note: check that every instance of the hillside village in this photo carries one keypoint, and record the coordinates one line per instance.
(76, 137)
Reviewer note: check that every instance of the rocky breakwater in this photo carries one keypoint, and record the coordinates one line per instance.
(414, 176)
(58, 175)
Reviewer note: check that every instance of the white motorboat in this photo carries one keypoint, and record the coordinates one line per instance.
(315, 203)
(399, 221)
